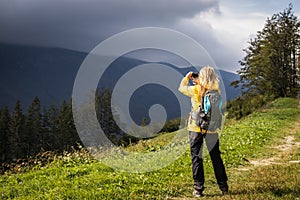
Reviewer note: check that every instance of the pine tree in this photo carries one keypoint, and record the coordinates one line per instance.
(50, 128)
(34, 127)
(4, 131)
(270, 65)
(270, 68)
(17, 140)
(106, 113)
(67, 133)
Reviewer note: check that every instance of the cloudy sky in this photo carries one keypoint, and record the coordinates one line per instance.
(223, 27)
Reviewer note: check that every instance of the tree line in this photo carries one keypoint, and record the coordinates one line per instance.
(26, 134)
(46, 129)
(271, 66)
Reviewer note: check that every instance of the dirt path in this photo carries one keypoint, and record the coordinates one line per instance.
(280, 154)
(286, 146)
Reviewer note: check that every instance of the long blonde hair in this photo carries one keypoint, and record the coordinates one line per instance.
(208, 80)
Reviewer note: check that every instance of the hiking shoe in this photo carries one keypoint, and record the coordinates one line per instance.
(224, 191)
(198, 193)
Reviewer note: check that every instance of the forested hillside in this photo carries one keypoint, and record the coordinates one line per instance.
(271, 67)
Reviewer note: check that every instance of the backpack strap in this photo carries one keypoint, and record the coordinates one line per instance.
(206, 103)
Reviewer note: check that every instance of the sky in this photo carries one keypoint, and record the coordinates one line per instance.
(222, 27)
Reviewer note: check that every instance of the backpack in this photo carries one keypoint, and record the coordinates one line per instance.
(209, 114)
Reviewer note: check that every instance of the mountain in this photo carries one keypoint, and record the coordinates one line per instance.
(49, 73)
(26, 72)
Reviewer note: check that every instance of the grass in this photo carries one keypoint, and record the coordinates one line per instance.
(79, 176)
(247, 138)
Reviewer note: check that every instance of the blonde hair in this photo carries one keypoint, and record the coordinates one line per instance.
(208, 80)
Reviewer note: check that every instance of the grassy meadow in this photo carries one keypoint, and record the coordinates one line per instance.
(261, 154)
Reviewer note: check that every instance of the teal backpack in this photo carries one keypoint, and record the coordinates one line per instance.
(209, 115)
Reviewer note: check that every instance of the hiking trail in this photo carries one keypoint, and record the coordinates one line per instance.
(286, 146)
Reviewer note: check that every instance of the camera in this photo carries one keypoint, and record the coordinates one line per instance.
(195, 75)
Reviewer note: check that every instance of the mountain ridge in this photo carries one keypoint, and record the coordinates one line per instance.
(49, 73)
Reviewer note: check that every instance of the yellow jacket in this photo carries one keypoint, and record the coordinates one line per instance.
(193, 92)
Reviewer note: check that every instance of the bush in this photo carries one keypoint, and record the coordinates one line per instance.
(247, 104)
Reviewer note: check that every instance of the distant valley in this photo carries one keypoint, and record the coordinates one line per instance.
(49, 73)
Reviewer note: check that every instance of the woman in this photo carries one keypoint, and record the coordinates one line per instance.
(206, 80)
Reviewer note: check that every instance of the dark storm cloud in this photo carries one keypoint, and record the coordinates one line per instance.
(81, 24)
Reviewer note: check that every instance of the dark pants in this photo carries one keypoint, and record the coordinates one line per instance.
(212, 143)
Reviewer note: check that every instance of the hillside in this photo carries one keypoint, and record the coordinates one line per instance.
(261, 153)
(49, 73)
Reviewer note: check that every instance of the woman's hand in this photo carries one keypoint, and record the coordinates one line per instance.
(189, 75)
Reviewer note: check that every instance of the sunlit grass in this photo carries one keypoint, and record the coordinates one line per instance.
(78, 176)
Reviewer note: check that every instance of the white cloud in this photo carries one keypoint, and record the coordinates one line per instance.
(232, 28)
(226, 31)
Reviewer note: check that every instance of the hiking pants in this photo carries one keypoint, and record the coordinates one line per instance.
(196, 146)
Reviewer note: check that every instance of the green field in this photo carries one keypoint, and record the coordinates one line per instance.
(261, 154)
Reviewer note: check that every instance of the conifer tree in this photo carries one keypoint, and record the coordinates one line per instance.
(269, 66)
(105, 114)
(67, 134)
(50, 127)
(34, 127)
(4, 131)
(17, 140)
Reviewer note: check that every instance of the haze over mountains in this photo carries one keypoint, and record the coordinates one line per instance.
(49, 73)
